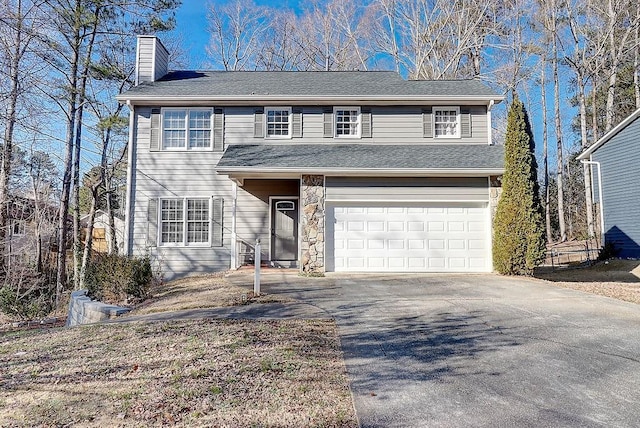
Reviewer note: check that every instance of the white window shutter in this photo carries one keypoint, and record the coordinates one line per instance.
(218, 130)
(365, 125)
(258, 123)
(427, 122)
(465, 123)
(154, 131)
(152, 223)
(327, 119)
(217, 217)
(296, 122)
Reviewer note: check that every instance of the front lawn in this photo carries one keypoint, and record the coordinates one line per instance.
(184, 373)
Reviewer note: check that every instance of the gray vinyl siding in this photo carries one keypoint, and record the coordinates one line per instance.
(406, 189)
(252, 211)
(389, 125)
(147, 57)
(620, 159)
(176, 174)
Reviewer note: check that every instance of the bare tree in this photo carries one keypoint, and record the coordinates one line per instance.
(236, 31)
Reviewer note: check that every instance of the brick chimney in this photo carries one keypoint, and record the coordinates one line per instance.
(152, 59)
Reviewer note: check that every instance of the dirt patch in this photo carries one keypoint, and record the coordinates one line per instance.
(207, 291)
(191, 373)
(619, 279)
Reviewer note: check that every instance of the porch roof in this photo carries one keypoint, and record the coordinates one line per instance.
(363, 159)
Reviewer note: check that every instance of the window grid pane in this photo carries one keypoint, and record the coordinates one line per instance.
(446, 123)
(277, 123)
(346, 122)
(171, 217)
(174, 128)
(199, 129)
(197, 220)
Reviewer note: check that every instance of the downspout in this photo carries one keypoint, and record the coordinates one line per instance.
(127, 213)
(234, 235)
(600, 196)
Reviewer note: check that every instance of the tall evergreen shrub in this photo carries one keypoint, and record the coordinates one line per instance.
(518, 228)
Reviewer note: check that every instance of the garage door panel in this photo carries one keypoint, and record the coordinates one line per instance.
(409, 238)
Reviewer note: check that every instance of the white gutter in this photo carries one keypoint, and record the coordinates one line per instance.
(127, 213)
(468, 172)
(590, 162)
(319, 99)
(609, 135)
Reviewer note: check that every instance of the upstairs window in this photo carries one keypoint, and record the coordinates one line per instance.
(18, 228)
(186, 129)
(347, 122)
(278, 122)
(446, 122)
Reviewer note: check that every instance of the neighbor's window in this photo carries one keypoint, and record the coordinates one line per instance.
(184, 221)
(278, 122)
(186, 128)
(347, 121)
(18, 228)
(446, 122)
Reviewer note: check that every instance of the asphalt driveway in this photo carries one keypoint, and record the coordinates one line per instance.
(478, 350)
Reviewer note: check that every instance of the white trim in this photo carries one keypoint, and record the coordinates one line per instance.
(458, 134)
(137, 77)
(606, 137)
(130, 153)
(153, 62)
(271, 198)
(266, 123)
(329, 100)
(408, 201)
(489, 125)
(469, 172)
(187, 111)
(185, 243)
(358, 133)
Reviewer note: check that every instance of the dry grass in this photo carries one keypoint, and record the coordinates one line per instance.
(192, 373)
(619, 279)
(207, 291)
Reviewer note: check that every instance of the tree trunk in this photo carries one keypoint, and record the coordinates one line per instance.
(10, 122)
(545, 151)
(558, 123)
(89, 236)
(585, 144)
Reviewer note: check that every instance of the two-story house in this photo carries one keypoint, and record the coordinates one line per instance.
(332, 171)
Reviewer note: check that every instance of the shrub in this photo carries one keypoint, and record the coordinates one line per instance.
(119, 279)
(27, 294)
(608, 251)
(518, 233)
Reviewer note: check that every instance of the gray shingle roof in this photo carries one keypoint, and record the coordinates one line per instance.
(304, 83)
(254, 157)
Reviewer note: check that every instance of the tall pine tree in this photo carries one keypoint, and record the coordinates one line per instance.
(518, 230)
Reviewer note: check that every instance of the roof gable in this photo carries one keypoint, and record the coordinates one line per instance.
(609, 135)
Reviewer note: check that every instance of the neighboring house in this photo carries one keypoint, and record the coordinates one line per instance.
(332, 171)
(101, 241)
(31, 228)
(615, 176)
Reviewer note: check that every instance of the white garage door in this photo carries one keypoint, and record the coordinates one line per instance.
(384, 238)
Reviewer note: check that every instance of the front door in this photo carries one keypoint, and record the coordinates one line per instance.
(284, 229)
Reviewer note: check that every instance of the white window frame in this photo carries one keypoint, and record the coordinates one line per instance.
(435, 109)
(289, 123)
(358, 123)
(186, 146)
(185, 221)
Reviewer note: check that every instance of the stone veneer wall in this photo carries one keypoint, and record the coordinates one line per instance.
(495, 190)
(313, 232)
